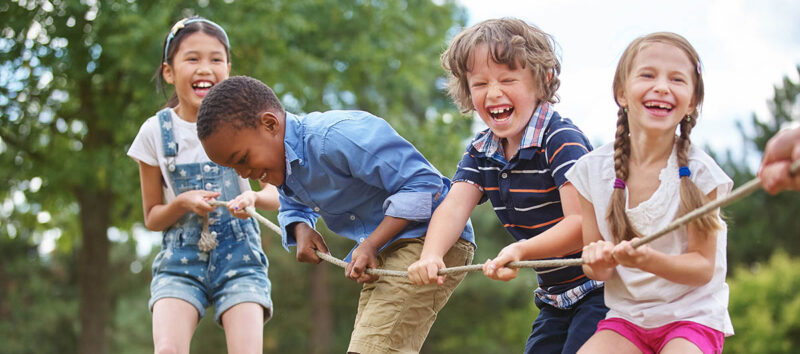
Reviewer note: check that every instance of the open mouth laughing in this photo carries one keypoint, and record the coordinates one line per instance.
(201, 87)
(501, 113)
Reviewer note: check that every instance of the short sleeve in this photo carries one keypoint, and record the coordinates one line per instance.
(144, 146)
(468, 172)
(707, 175)
(578, 175)
(563, 147)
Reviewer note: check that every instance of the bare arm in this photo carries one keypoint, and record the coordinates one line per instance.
(159, 216)
(445, 228)
(695, 267)
(268, 198)
(597, 257)
(265, 199)
(561, 239)
(366, 254)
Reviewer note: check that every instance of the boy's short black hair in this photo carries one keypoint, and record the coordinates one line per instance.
(238, 101)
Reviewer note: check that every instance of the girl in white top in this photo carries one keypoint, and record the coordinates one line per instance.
(668, 296)
(209, 256)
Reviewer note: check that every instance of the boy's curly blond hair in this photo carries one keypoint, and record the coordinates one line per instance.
(511, 42)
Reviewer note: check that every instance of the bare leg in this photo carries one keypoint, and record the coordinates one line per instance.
(244, 328)
(607, 341)
(681, 345)
(174, 322)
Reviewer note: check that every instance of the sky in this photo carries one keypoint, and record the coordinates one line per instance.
(746, 48)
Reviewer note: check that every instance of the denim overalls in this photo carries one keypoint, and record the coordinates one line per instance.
(235, 271)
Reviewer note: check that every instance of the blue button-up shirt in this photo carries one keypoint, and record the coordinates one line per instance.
(353, 169)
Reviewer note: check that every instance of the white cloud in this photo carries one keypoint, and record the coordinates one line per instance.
(746, 48)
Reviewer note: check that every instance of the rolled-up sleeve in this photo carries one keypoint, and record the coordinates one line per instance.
(375, 154)
(291, 212)
(414, 206)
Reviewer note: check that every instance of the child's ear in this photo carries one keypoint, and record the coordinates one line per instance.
(166, 72)
(270, 122)
(621, 101)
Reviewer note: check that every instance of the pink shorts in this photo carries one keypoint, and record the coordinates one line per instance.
(653, 340)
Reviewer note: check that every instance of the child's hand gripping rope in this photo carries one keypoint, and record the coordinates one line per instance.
(744, 190)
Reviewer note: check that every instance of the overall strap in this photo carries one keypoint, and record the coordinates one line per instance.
(167, 136)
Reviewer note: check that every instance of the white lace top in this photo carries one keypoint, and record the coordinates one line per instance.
(640, 297)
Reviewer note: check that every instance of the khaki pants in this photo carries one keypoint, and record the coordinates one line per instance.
(394, 315)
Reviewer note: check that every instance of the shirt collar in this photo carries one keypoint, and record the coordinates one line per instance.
(533, 136)
(293, 137)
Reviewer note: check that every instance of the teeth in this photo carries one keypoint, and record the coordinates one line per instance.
(263, 175)
(658, 105)
(498, 111)
(202, 84)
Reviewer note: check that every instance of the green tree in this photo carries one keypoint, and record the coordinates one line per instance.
(761, 224)
(765, 308)
(75, 86)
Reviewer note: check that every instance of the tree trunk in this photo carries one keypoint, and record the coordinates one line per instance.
(93, 269)
(320, 312)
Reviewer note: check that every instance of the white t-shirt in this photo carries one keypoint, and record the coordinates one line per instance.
(640, 297)
(148, 148)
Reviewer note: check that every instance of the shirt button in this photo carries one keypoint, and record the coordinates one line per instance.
(213, 234)
(352, 217)
(209, 186)
(360, 240)
(504, 175)
(171, 168)
(206, 168)
(316, 209)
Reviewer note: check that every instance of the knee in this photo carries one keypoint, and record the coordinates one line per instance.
(166, 348)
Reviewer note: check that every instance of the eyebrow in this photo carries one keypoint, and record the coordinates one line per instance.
(197, 52)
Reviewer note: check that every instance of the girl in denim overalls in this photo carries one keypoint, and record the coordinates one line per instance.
(208, 256)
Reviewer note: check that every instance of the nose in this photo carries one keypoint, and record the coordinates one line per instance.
(661, 86)
(494, 90)
(204, 68)
(242, 172)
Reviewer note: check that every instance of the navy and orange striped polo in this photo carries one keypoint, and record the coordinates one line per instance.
(524, 191)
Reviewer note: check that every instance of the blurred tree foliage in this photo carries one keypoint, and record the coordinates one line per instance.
(762, 223)
(764, 307)
(75, 85)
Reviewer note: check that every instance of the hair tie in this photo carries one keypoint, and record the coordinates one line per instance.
(619, 183)
(684, 171)
(182, 23)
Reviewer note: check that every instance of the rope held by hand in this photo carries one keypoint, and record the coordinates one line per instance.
(737, 194)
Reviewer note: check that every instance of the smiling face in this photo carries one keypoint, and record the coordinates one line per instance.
(199, 63)
(504, 98)
(254, 152)
(659, 91)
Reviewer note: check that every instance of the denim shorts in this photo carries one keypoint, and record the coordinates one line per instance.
(232, 273)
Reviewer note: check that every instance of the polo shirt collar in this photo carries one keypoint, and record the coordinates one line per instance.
(533, 136)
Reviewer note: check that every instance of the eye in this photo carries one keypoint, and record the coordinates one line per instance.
(678, 79)
(508, 81)
(478, 84)
(243, 160)
(647, 75)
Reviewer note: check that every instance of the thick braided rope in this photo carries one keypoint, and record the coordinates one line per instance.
(739, 193)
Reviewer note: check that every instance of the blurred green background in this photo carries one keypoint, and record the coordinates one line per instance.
(76, 84)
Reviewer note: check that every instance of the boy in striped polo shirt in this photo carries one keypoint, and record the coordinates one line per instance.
(507, 71)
